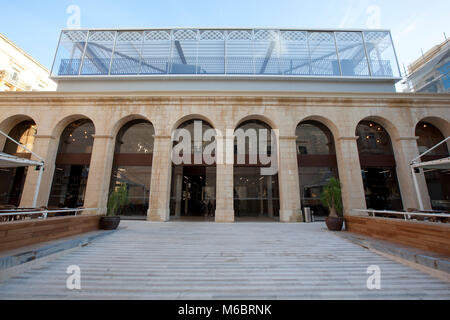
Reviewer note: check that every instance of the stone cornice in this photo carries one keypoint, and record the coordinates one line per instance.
(286, 99)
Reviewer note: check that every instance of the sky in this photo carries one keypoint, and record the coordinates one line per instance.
(415, 24)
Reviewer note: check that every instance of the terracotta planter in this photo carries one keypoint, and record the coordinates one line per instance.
(334, 223)
(110, 222)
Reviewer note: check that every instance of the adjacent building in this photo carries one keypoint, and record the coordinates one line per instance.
(20, 72)
(327, 96)
(431, 72)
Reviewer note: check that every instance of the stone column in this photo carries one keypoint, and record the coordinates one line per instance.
(46, 147)
(97, 188)
(159, 209)
(225, 181)
(353, 196)
(290, 208)
(405, 150)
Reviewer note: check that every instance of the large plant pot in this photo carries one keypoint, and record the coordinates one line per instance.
(109, 223)
(334, 223)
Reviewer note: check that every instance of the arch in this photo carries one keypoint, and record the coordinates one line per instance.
(193, 184)
(378, 165)
(377, 137)
(72, 163)
(256, 195)
(189, 117)
(325, 121)
(436, 181)
(12, 180)
(67, 120)
(440, 123)
(317, 163)
(23, 132)
(428, 137)
(132, 163)
(259, 117)
(123, 121)
(10, 122)
(391, 129)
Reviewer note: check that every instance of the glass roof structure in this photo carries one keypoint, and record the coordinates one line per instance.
(251, 52)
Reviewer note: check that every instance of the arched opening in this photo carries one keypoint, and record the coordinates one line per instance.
(317, 163)
(193, 185)
(12, 180)
(256, 195)
(378, 167)
(132, 166)
(72, 165)
(438, 181)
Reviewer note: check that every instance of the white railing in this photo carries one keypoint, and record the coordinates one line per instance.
(406, 215)
(7, 213)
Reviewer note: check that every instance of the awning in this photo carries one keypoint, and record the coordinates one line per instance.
(435, 164)
(10, 161)
(441, 164)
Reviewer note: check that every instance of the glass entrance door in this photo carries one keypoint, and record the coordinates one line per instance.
(193, 191)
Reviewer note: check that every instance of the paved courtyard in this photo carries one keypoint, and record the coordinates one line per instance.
(187, 260)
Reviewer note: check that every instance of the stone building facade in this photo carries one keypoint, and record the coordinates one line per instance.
(332, 106)
(399, 114)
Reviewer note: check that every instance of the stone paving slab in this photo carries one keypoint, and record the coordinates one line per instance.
(190, 261)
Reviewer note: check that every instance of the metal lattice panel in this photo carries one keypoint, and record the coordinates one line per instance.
(377, 36)
(294, 36)
(266, 35)
(185, 35)
(129, 37)
(226, 51)
(74, 35)
(320, 36)
(352, 55)
(102, 36)
(349, 37)
(212, 35)
(240, 35)
(157, 36)
(127, 53)
(381, 51)
(323, 54)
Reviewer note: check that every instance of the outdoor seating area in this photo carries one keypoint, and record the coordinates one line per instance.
(408, 215)
(9, 213)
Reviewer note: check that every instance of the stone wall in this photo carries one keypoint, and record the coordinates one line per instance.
(340, 112)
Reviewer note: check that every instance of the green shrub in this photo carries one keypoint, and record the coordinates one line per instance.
(117, 200)
(331, 197)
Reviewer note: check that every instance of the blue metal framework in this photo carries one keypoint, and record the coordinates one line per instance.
(253, 52)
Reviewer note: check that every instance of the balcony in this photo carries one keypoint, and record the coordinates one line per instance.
(14, 80)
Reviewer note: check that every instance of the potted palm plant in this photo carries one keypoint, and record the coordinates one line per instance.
(332, 199)
(117, 200)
